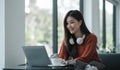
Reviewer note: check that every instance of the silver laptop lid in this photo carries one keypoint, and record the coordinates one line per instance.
(36, 55)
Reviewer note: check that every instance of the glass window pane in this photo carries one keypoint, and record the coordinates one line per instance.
(38, 23)
(101, 23)
(109, 26)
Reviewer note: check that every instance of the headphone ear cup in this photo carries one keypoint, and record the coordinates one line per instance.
(71, 41)
(79, 41)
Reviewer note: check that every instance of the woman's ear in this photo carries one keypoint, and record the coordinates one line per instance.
(80, 22)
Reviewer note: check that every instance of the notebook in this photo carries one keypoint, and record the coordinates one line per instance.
(36, 55)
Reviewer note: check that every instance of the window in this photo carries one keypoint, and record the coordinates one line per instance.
(38, 23)
(106, 27)
(109, 27)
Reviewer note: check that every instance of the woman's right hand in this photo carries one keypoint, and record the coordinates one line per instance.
(64, 61)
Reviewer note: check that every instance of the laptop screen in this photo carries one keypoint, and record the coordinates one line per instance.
(36, 55)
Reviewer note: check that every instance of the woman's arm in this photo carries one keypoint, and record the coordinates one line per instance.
(63, 52)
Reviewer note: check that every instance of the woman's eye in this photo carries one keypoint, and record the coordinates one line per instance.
(71, 22)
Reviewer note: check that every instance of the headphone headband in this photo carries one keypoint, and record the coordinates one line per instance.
(79, 40)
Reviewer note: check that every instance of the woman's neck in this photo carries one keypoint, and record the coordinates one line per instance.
(78, 34)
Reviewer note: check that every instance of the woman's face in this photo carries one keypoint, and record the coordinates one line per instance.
(73, 25)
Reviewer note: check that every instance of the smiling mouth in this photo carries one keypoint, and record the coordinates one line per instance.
(71, 31)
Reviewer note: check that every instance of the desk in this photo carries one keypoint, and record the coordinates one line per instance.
(69, 67)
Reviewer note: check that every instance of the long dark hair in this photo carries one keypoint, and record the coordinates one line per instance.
(72, 49)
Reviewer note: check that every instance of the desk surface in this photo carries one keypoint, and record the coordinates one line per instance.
(70, 67)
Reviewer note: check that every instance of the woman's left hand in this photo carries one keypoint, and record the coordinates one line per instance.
(70, 61)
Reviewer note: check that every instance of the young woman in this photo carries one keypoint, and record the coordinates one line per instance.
(79, 43)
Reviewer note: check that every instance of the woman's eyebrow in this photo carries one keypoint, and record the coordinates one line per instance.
(69, 20)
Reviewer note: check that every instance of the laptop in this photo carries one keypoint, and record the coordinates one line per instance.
(36, 56)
